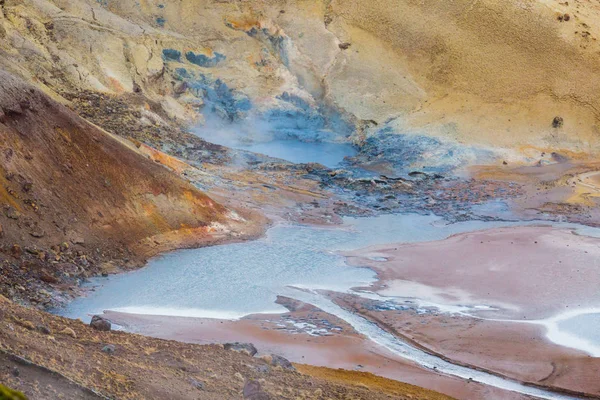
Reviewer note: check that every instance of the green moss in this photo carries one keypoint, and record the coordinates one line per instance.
(9, 394)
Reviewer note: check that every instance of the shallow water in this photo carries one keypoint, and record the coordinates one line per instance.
(234, 280)
(330, 154)
(585, 326)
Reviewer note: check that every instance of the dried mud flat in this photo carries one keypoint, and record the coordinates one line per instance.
(472, 297)
(312, 339)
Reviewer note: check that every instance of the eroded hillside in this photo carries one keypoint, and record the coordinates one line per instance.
(487, 73)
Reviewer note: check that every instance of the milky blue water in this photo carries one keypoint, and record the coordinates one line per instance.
(230, 281)
(586, 327)
(328, 154)
(313, 148)
(233, 280)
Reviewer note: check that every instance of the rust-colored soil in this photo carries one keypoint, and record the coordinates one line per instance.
(75, 198)
(72, 355)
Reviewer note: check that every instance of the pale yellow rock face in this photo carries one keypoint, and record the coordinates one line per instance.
(499, 70)
(488, 72)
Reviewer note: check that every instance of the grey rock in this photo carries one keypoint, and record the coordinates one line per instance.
(262, 368)
(253, 391)
(109, 349)
(197, 384)
(278, 361)
(43, 329)
(247, 348)
(100, 324)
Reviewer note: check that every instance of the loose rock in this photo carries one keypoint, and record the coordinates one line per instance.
(43, 329)
(109, 349)
(278, 361)
(16, 251)
(197, 384)
(557, 122)
(253, 391)
(247, 348)
(100, 324)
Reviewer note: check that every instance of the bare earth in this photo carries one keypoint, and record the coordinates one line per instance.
(524, 273)
(341, 347)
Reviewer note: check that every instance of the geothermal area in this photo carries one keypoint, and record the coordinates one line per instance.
(299, 199)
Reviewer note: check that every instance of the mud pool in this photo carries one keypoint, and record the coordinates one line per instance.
(231, 281)
(292, 149)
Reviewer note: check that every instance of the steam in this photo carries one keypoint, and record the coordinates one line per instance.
(283, 135)
(236, 134)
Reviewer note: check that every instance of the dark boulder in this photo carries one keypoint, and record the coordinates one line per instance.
(557, 122)
(100, 324)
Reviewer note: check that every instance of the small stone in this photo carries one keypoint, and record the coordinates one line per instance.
(16, 372)
(100, 324)
(238, 376)
(11, 213)
(262, 368)
(45, 276)
(109, 349)
(69, 332)
(253, 391)
(278, 361)
(197, 384)
(344, 46)
(557, 122)
(16, 251)
(247, 348)
(78, 240)
(37, 233)
(43, 329)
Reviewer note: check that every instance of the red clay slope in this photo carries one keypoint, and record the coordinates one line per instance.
(64, 180)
